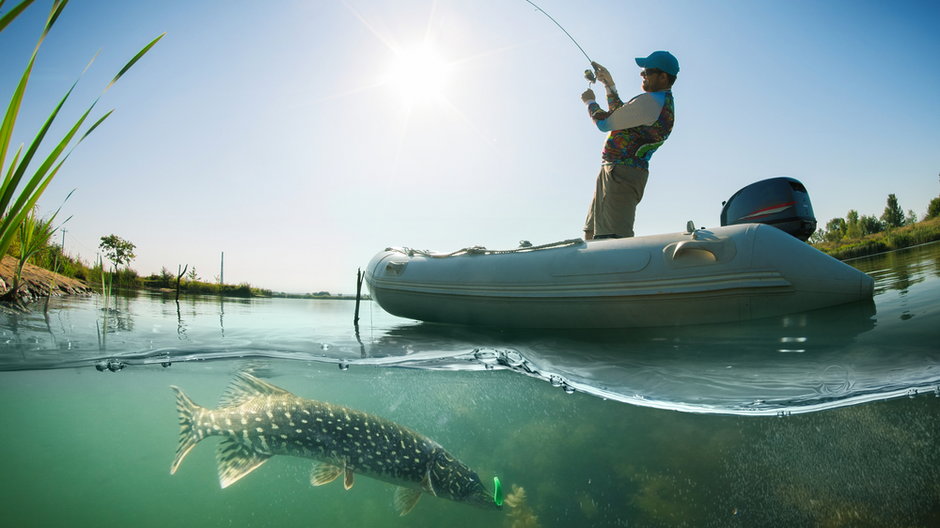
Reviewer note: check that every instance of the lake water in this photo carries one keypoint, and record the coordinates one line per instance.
(827, 418)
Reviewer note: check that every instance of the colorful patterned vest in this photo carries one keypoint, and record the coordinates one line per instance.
(635, 146)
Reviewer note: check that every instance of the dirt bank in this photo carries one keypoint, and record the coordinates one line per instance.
(37, 282)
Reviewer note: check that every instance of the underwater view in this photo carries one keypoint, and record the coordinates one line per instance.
(827, 418)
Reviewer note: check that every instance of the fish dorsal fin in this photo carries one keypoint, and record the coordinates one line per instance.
(236, 460)
(245, 387)
(406, 499)
(324, 473)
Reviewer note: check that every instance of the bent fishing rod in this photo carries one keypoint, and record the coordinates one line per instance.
(588, 74)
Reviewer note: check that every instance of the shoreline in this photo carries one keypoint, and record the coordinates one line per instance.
(37, 282)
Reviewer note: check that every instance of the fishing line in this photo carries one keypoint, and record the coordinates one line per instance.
(588, 74)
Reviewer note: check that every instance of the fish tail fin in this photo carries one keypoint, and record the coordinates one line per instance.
(187, 410)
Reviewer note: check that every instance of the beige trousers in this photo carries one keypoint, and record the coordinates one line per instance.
(619, 190)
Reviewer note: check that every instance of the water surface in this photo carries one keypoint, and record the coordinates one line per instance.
(824, 418)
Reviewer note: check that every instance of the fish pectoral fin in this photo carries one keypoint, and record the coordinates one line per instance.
(427, 485)
(406, 499)
(348, 479)
(324, 473)
(236, 460)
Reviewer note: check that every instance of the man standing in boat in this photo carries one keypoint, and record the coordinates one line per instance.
(636, 129)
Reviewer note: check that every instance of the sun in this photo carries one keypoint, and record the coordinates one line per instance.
(419, 73)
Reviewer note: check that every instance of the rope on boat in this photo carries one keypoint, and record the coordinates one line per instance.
(480, 250)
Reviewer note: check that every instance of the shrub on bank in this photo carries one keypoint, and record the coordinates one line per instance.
(902, 237)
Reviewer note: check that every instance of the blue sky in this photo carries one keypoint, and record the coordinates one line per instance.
(296, 137)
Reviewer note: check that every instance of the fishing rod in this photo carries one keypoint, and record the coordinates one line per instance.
(588, 74)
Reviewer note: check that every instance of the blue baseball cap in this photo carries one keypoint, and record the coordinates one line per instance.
(660, 60)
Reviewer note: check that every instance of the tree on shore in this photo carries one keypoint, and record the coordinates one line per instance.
(893, 216)
(835, 230)
(933, 210)
(870, 225)
(854, 227)
(119, 251)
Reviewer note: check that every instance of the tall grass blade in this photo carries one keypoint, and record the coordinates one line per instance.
(12, 221)
(9, 177)
(49, 161)
(93, 127)
(13, 109)
(134, 60)
(30, 152)
(57, 9)
(15, 12)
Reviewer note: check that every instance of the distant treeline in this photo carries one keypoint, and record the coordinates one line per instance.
(166, 280)
(856, 235)
(318, 295)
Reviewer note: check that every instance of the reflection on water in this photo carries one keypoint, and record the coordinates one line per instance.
(796, 363)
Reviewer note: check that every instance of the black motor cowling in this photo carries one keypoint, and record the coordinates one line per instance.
(780, 202)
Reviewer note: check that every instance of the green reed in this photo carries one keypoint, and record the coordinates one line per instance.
(34, 234)
(22, 184)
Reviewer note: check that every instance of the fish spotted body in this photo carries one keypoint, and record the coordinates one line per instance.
(257, 420)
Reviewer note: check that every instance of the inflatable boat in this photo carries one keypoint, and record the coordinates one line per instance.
(741, 270)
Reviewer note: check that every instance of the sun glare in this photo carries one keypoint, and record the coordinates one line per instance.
(419, 73)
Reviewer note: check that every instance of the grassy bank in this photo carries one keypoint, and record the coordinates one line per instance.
(196, 287)
(52, 259)
(896, 238)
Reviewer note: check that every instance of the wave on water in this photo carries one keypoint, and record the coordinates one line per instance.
(797, 363)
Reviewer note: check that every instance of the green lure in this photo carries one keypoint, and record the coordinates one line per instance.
(497, 492)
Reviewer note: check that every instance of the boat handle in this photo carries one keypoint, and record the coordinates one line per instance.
(690, 245)
(395, 268)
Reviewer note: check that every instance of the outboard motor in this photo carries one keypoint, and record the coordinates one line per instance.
(780, 202)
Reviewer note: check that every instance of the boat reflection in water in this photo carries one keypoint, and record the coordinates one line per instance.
(787, 364)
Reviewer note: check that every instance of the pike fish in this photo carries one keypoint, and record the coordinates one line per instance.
(258, 420)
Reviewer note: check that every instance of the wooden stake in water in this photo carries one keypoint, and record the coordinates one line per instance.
(179, 277)
(359, 277)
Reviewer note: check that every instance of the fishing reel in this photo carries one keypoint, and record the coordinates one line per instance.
(590, 77)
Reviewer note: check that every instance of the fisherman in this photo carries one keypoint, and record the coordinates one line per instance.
(636, 129)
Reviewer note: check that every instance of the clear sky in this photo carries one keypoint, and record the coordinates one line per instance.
(300, 138)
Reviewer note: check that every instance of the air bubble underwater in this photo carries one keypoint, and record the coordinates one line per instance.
(489, 358)
(114, 365)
